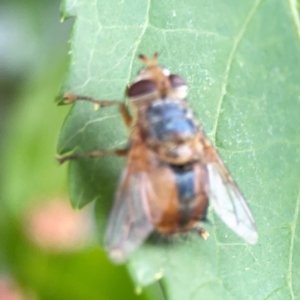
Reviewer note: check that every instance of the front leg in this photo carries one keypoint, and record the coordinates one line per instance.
(127, 118)
(96, 153)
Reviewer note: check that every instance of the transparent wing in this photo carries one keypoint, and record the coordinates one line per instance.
(129, 225)
(229, 203)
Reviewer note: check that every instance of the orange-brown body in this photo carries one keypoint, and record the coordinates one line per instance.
(159, 157)
(163, 205)
(171, 168)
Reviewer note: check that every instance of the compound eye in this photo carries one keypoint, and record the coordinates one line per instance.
(141, 88)
(176, 81)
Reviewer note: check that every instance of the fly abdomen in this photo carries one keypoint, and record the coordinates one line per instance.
(185, 183)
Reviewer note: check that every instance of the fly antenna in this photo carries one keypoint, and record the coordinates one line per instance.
(155, 59)
(149, 62)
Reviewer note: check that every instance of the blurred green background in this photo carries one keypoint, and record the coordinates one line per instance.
(45, 251)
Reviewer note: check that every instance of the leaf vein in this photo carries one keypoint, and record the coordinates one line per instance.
(273, 293)
(291, 252)
(137, 43)
(294, 7)
(234, 48)
(81, 130)
(187, 30)
(268, 144)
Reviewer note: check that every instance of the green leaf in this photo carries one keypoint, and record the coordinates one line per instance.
(241, 60)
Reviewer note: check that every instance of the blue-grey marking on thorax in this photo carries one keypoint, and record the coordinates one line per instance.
(169, 120)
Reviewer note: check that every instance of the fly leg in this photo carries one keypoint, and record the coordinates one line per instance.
(127, 118)
(96, 153)
(204, 234)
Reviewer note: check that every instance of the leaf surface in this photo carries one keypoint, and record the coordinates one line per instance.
(241, 60)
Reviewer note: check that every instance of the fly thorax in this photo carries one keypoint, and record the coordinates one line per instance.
(171, 130)
(169, 120)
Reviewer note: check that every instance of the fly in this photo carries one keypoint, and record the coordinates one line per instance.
(172, 171)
